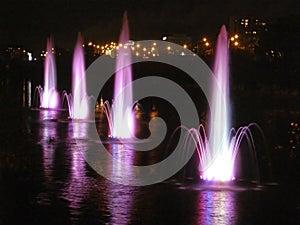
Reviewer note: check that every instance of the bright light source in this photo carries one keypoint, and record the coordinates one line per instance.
(185, 46)
(29, 56)
(236, 36)
(206, 44)
(204, 39)
(169, 48)
(236, 43)
(164, 38)
(232, 38)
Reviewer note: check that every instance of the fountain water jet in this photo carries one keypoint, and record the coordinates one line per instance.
(217, 156)
(78, 101)
(80, 98)
(121, 117)
(49, 97)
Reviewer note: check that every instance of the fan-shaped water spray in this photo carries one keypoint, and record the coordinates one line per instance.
(217, 156)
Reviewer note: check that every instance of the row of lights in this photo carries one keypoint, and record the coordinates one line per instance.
(144, 51)
(102, 49)
(19, 51)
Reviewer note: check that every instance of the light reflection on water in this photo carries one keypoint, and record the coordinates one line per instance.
(216, 207)
(47, 135)
(68, 178)
(75, 188)
(77, 185)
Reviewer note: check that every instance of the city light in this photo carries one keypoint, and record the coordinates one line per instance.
(29, 56)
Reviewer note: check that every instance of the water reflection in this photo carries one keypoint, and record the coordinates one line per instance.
(26, 93)
(76, 187)
(113, 200)
(47, 140)
(216, 207)
(120, 198)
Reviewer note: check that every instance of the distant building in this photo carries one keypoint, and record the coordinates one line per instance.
(245, 32)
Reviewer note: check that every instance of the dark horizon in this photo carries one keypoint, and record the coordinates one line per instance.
(29, 23)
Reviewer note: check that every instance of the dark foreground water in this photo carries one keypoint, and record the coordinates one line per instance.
(45, 180)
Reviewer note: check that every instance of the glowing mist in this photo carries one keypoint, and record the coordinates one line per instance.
(80, 107)
(50, 96)
(122, 116)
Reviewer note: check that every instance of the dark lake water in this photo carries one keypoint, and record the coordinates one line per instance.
(44, 179)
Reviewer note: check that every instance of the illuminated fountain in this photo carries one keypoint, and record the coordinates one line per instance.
(48, 95)
(217, 156)
(78, 101)
(119, 115)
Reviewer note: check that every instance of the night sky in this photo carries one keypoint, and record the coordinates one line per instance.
(28, 23)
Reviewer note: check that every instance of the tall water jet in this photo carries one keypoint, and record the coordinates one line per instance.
(219, 122)
(218, 154)
(122, 117)
(50, 96)
(79, 102)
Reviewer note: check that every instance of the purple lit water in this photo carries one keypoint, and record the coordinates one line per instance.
(50, 96)
(217, 155)
(78, 100)
(80, 106)
(122, 118)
